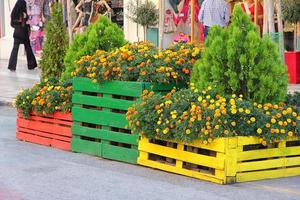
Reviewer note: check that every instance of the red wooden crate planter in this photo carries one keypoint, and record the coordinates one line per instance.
(53, 130)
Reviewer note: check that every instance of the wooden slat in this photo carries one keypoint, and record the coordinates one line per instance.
(48, 119)
(84, 146)
(44, 134)
(268, 164)
(119, 153)
(102, 102)
(124, 88)
(104, 118)
(268, 153)
(267, 174)
(105, 135)
(174, 169)
(203, 160)
(45, 127)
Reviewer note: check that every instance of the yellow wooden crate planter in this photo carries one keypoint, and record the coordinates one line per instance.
(225, 160)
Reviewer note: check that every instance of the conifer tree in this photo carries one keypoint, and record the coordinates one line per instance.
(55, 45)
(237, 61)
(103, 35)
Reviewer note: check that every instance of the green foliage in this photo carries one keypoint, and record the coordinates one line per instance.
(293, 99)
(55, 46)
(191, 114)
(145, 14)
(237, 61)
(291, 10)
(103, 35)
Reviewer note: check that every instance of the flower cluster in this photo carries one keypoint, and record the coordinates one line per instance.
(190, 114)
(45, 98)
(140, 62)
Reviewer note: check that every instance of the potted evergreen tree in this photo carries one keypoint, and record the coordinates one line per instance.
(291, 13)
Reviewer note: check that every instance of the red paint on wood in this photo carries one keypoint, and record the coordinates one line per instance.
(53, 130)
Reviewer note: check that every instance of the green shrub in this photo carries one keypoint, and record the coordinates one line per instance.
(237, 61)
(103, 35)
(55, 46)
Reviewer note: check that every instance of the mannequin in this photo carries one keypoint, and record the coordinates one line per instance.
(83, 9)
(99, 8)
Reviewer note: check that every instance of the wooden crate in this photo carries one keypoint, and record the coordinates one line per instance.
(53, 130)
(225, 160)
(99, 111)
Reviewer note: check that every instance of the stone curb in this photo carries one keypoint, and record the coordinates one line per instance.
(6, 103)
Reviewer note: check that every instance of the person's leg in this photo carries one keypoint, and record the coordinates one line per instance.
(31, 61)
(14, 56)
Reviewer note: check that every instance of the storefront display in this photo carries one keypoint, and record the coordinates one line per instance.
(89, 10)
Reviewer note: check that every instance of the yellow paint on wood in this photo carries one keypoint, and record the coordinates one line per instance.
(208, 161)
(190, 173)
(268, 153)
(278, 173)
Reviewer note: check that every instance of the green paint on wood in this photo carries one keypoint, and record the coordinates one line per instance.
(120, 153)
(124, 88)
(85, 146)
(105, 135)
(99, 117)
(104, 102)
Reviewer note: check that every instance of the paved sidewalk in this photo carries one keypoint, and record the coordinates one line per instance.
(12, 82)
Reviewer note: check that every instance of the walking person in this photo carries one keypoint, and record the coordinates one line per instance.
(213, 12)
(21, 36)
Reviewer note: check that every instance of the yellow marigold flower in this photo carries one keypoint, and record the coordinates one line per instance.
(290, 133)
(268, 125)
(298, 118)
(233, 123)
(259, 131)
(212, 101)
(204, 142)
(252, 119)
(226, 132)
(288, 120)
(275, 106)
(277, 130)
(217, 127)
(241, 110)
(232, 101)
(248, 122)
(187, 131)
(282, 131)
(209, 140)
(264, 143)
(289, 110)
(255, 104)
(208, 96)
(199, 98)
(166, 130)
(247, 111)
(174, 116)
(209, 88)
(266, 108)
(278, 115)
(294, 114)
(158, 122)
(280, 123)
(273, 121)
(233, 111)
(259, 106)
(233, 96)
(284, 112)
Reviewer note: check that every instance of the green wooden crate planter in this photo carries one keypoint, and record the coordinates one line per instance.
(99, 111)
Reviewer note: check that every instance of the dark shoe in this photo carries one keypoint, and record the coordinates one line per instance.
(12, 70)
(31, 68)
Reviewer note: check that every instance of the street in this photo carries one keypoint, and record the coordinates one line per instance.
(34, 172)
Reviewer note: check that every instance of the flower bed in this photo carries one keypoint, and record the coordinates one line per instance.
(220, 139)
(100, 127)
(52, 130)
(225, 160)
